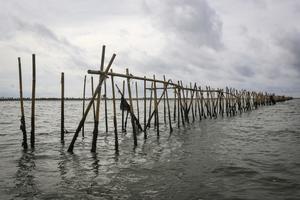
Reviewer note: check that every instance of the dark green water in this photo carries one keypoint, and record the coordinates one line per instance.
(255, 155)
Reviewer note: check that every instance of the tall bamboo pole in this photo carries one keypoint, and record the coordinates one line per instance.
(83, 103)
(137, 101)
(98, 93)
(123, 92)
(32, 135)
(62, 122)
(165, 113)
(174, 104)
(92, 88)
(150, 104)
(115, 115)
(131, 110)
(168, 105)
(23, 124)
(145, 108)
(156, 106)
(105, 107)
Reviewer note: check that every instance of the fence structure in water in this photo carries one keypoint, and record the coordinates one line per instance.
(189, 103)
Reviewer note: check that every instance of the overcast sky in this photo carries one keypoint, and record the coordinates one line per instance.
(249, 44)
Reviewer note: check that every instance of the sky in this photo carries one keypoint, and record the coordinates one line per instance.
(245, 44)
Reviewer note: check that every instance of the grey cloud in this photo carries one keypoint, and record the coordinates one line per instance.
(193, 21)
(291, 43)
(44, 36)
(44, 32)
(245, 71)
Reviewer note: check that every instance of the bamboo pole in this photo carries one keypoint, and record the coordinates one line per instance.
(178, 107)
(92, 88)
(105, 107)
(202, 104)
(168, 105)
(192, 102)
(198, 103)
(135, 78)
(32, 135)
(98, 93)
(137, 101)
(195, 100)
(23, 124)
(83, 103)
(156, 106)
(165, 116)
(174, 104)
(181, 107)
(131, 110)
(145, 108)
(150, 105)
(185, 104)
(115, 115)
(123, 91)
(62, 122)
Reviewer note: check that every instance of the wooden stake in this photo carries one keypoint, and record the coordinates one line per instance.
(150, 105)
(105, 107)
(175, 104)
(137, 101)
(169, 113)
(123, 91)
(156, 106)
(62, 122)
(165, 113)
(98, 93)
(145, 109)
(32, 135)
(94, 109)
(115, 115)
(83, 103)
(192, 104)
(178, 106)
(23, 124)
(131, 110)
(198, 103)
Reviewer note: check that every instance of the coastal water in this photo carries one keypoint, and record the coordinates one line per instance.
(255, 155)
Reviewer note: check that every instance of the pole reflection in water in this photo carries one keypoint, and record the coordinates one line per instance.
(25, 183)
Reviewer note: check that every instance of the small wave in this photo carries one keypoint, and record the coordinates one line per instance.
(233, 171)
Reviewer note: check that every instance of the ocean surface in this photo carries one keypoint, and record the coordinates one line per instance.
(255, 155)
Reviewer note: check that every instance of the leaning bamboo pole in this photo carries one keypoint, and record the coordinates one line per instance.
(98, 88)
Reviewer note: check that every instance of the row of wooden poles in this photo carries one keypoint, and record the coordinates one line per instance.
(189, 103)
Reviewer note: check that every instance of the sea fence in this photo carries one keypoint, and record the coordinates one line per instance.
(181, 104)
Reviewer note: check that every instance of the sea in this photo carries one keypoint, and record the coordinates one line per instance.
(253, 155)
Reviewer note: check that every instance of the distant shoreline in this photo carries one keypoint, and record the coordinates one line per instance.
(74, 99)
(66, 99)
